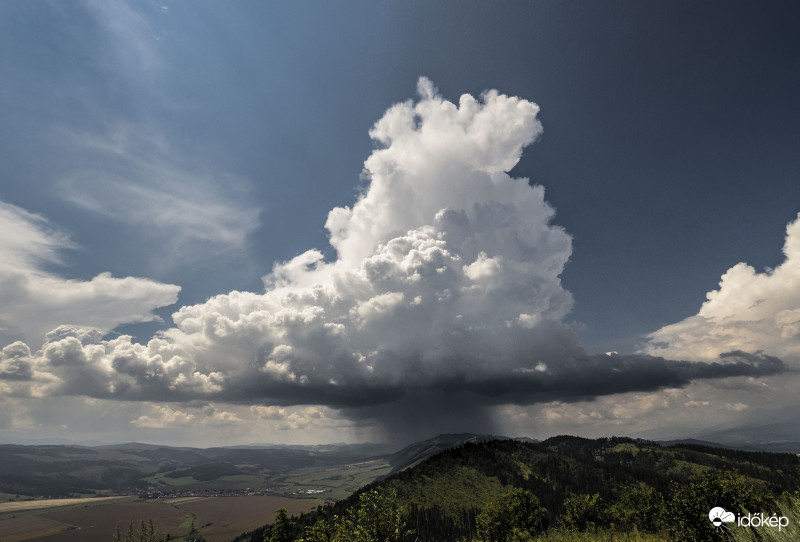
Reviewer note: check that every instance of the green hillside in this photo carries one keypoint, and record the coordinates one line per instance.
(629, 483)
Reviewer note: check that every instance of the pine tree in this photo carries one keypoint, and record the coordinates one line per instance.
(281, 530)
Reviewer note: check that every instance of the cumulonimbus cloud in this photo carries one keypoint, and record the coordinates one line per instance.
(445, 281)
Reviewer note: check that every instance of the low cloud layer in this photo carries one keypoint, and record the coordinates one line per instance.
(444, 295)
(750, 311)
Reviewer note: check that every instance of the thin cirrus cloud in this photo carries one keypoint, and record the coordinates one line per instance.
(135, 38)
(131, 174)
(35, 300)
(444, 295)
(128, 168)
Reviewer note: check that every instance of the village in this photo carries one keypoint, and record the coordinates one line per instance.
(158, 493)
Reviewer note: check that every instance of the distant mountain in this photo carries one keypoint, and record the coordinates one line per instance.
(419, 451)
(697, 442)
(131, 446)
(770, 437)
(775, 431)
(728, 439)
(51, 442)
(65, 470)
(367, 449)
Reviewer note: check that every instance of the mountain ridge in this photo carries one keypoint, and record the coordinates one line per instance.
(442, 495)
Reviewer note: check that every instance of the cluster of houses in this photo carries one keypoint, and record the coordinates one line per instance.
(173, 493)
(158, 493)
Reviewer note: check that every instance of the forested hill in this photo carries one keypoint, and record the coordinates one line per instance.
(442, 495)
(419, 451)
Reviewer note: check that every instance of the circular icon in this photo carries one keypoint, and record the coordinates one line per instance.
(718, 516)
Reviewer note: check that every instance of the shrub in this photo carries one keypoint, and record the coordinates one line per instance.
(513, 517)
(584, 512)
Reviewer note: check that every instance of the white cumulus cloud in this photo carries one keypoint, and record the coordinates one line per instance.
(34, 300)
(750, 311)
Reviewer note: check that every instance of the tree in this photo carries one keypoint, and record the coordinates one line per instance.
(584, 512)
(147, 533)
(281, 530)
(321, 531)
(376, 519)
(690, 504)
(515, 515)
(639, 506)
(194, 535)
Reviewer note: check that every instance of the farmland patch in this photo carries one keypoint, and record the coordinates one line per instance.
(18, 506)
(98, 523)
(220, 519)
(17, 529)
(89, 523)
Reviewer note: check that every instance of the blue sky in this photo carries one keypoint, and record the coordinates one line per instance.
(193, 146)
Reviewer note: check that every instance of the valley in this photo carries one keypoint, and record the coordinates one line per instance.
(442, 486)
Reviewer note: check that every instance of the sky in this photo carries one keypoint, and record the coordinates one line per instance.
(312, 222)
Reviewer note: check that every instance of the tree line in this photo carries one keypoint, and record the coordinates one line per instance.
(518, 516)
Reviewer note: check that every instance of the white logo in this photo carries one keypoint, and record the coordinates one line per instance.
(718, 516)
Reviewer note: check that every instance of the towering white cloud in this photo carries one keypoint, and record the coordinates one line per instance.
(444, 294)
(33, 300)
(750, 311)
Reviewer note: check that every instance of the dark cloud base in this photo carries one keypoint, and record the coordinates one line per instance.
(465, 407)
(578, 379)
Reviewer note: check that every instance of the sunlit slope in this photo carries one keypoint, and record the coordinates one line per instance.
(442, 494)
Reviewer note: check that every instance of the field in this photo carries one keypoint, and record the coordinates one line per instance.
(28, 527)
(219, 519)
(52, 503)
(163, 480)
(337, 482)
(89, 523)
(223, 518)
